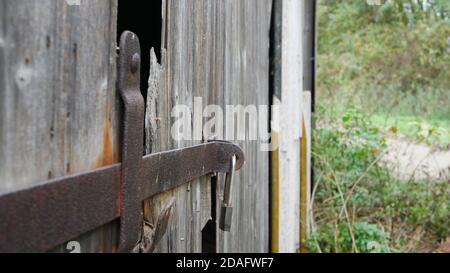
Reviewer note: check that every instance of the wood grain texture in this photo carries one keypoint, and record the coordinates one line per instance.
(219, 51)
(60, 110)
(246, 82)
(59, 107)
(290, 124)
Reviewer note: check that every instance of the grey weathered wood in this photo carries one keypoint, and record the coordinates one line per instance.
(245, 60)
(217, 50)
(58, 106)
(177, 81)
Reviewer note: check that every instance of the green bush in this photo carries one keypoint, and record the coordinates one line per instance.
(419, 203)
(358, 205)
(332, 239)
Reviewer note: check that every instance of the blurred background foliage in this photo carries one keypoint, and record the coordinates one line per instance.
(392, 60)
(382, 77)
(399, 44)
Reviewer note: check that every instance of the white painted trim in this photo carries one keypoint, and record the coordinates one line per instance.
(290, 125)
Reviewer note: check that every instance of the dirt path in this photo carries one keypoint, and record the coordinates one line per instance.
(409, 160)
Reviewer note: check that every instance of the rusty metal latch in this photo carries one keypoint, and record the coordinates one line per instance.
(42, 217)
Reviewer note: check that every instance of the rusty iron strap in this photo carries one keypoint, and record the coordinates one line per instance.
(44, 216)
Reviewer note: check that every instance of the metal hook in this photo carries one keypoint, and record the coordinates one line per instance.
(228, 180)
(226, 210)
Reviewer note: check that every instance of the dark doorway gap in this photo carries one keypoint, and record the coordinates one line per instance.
(209, 232)
(274, 86)
(144, 18)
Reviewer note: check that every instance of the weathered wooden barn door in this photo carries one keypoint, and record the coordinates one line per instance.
(59, 107)
(217, 51)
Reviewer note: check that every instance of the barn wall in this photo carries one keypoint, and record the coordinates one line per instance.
(217, 50)
(59, 107)
(59, 112)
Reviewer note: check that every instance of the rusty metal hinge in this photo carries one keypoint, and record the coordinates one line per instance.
(42, 217)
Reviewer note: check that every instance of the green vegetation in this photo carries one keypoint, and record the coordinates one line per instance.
(359, 206)
(391, 59)
(429, 131)
(382, 71)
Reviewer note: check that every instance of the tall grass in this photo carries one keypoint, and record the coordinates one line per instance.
(358, 205)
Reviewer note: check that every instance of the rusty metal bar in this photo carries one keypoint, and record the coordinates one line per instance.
(44, 216)
(40, 218)
(133, 140)
(168, 170)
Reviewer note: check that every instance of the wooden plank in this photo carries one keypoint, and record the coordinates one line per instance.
(309, 73)
(182, 76)
(59, 106)
(290, 131)
(275, 92)
(305, 182)
(246, 78)
(275, 196)
(216, 50)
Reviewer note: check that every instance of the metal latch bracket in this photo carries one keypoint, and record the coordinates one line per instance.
(44, 216)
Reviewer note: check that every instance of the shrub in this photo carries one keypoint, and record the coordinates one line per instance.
(358, 205)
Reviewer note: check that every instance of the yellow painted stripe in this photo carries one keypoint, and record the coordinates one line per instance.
(304, 190)
(275, 193)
